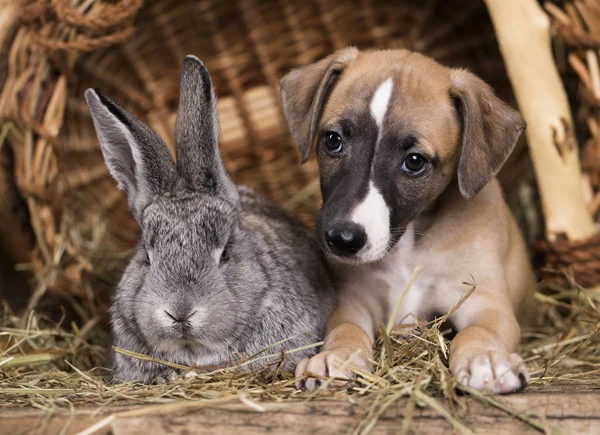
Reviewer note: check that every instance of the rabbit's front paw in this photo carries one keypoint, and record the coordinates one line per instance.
(334, 368)
(166, 377)
(174, 377)
(494, 371)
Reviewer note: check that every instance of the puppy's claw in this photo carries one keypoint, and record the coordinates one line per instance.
(301, 385)
(300, 369)
(524, 379)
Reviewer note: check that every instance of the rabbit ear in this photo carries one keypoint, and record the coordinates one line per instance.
(135, 155)
(197, 133)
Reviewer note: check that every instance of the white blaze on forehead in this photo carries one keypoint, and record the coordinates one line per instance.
(381, 100)
(373, 215)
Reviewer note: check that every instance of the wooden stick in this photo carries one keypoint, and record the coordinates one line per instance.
(523, 33)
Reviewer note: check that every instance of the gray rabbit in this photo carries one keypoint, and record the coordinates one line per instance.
(219, 272)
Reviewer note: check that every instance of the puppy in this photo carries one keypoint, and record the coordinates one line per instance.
(408, 151)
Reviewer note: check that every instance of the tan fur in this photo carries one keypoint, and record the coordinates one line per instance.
(468, 234)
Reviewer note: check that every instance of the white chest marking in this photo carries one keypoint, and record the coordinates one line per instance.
(380, 101)
(402, 266)
(374, 216)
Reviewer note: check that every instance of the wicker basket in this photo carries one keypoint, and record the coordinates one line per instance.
(54, 49)
(576, 25)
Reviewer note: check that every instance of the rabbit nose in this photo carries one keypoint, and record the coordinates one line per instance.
(346, 239)
(179, 318)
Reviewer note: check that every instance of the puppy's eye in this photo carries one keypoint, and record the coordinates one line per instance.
(333, 142)
(414, 164)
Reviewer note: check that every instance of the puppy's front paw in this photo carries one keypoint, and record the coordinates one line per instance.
(335, 364)
(495, 371)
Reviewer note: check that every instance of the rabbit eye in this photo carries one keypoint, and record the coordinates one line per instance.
(148, 259)
(224, 255)
(221, 255)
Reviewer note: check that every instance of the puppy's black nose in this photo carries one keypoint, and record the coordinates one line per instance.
(346, 239)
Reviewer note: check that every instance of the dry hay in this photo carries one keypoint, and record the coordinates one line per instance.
(48, 365)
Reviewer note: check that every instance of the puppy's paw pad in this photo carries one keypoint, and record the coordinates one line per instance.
(336, 364)
(494, 371)
(482, 374)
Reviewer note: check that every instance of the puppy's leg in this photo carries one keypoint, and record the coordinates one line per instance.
(347, 345)
(483, 353)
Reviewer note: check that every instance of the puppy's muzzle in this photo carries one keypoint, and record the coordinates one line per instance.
(346, 239)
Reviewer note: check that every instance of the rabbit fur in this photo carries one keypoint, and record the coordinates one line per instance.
(219, 272)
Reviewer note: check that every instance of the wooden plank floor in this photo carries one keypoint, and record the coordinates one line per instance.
(565, 409)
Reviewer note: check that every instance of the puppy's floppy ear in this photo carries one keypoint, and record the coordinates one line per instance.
(304, 93)
(490, 130)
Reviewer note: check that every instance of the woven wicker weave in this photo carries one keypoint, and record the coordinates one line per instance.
(132, 50)
(576, 26)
